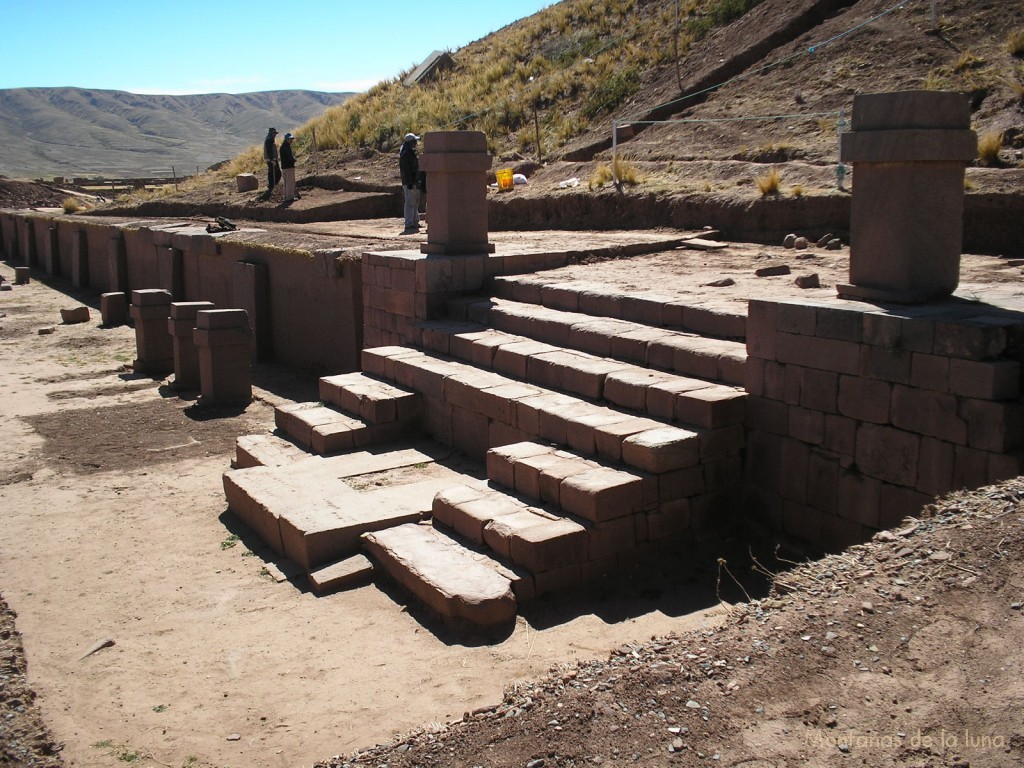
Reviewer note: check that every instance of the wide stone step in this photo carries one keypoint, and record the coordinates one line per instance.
(602, 300)
(266, 451)
(654, 347)
(476, 409)
(306, 510)
(325, 430)
(372, 400)
(659, 394)
(452, 580)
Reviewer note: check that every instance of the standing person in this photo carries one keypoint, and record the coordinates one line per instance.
(409, 166)
(270, 156)
(288, 168)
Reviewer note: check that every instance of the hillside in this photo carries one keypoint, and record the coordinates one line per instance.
(757, 84)
(80, 132)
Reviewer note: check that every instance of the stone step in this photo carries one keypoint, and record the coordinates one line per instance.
(306, 510)
(372, 400)
(325, 430)
(659, 394)
(453, 581)
(351, 571)
(602, 300)
(266, 451)
(475, 409)
(665, 349)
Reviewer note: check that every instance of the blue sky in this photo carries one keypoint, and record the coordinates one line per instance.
(188, 46)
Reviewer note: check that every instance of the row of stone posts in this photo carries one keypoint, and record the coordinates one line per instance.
(207, 349)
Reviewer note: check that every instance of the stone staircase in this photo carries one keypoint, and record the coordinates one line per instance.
(601, 436)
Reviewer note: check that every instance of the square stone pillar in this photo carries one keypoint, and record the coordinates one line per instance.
(51, 254)
(251, 292)
(170, 271)
(27, 238)
(153, 346)
(180, 325)
(113, 309)
(222, 339)
(80, 260)
(117, 262)
(456, 164)
(909, 152)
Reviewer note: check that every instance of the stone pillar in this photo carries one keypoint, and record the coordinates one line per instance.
(223, 339)
(909, 152)
(28, 242)
(80, 260)
(22, 275)
(51, 254)
(251, 293)
(117, 256)
(456, 164)
(113, 309)
(180, 325)
(153, 345)
(171, 272)
(10, 236)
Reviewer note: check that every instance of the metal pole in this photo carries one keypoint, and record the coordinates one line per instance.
(175, 175)
(536, 130)
(615, 148)
(935, 14)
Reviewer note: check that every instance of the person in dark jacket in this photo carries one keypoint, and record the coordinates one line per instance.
(270, 157)
(409, 167)
(288, 168)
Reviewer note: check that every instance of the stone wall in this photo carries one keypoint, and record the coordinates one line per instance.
(859, 416)
(312, 301)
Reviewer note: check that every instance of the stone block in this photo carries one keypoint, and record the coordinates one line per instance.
(445, 501)
(22, 275)
(864, 399)
(993, 426)
(601, 494)
(898, 503)
(113, 309)
(661, 450)
(821, 354)
(935, 467)
(985, 380)
(929, 371)
(888, 454)
(924, 412)
(75, 315)
(611, 538)
(859, 498)
(805, 425)
(819, 391)
(246, 182)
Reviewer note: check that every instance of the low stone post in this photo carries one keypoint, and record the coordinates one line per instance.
(22, 275)
(180, 325)
(456, 164)
(223, 339)
(113, 309)
(909, 152)
(153, 346)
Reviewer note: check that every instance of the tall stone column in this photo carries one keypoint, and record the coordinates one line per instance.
(456, 164)
(909, 152)
(80, 260)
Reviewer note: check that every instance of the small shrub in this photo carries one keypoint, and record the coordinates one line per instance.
(71, 205)
(1015, 43)
(797, 190)
(934, 81)
(967, 61)
(601, 176)
(769, 183)
(626, 172)
(989, 145)
(969, 186)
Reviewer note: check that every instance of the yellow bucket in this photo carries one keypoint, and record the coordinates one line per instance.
(504, 176)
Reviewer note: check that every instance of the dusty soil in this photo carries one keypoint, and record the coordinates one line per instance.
(31, 194)
(115, 528)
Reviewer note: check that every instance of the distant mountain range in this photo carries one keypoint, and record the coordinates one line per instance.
(46, 132)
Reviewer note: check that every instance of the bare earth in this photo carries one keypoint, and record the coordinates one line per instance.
(115, 528)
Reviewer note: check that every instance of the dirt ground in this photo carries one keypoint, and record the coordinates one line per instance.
(115, 529)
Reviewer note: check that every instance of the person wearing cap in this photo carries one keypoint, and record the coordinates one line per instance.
(409, 167)
(271, 158)
(288, 168)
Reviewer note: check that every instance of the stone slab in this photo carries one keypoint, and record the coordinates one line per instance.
(450, 579)
(349, 572)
